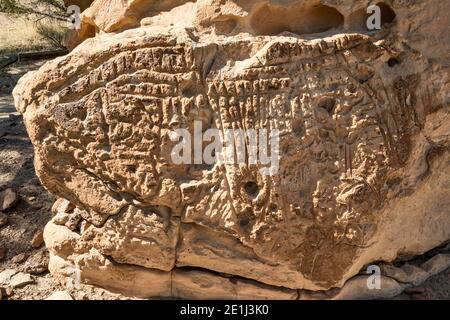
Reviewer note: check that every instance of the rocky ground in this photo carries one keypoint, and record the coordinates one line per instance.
(26, 210)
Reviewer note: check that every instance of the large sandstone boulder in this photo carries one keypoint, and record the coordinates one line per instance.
(364, 123)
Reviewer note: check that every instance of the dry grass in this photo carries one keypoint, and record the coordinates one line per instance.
(20, 35)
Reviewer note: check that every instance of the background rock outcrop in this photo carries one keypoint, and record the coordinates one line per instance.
(364, 164)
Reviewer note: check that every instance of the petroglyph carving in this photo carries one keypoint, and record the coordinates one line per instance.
(364, 137)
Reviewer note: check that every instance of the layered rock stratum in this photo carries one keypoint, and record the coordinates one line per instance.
(364, 118)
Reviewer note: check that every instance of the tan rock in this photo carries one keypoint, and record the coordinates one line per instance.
(59, 295)
(38, 239)
(93, 268)
(62, 206)
(21, 257)
(20, 280)
(200, 285)
(6, 276)
(59, 239)
(138, 237)
(364, 164)
(8, 199)
(205, 248)
(67, 214)
(357, 288)
(37, 263)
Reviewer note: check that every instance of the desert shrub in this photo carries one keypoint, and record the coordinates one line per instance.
(52, 32)
(53, 9)
(30, 25)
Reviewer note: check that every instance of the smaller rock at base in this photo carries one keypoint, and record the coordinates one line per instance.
(62, 206)
(8, 199)
(3, 219)
(21, 257)
(38, 239)
(20, 280)
(59, 295)
(38, 263)
(6, 275)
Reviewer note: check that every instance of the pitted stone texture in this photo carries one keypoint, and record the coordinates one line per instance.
(138, 237)
(364, 162)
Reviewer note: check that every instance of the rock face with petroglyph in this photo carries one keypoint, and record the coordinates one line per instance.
(364, 171)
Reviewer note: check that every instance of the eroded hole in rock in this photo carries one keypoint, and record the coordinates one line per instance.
(327, 104)
(188, 88)
(130, 168)
(251, 188)
(358, 19)
(246, 218)
(298, 127)
(392, 62)
(387, 14)
(225, 26)
(243, 222)
(272, 20)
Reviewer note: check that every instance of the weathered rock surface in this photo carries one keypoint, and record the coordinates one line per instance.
(37, 263)
(21, 257)
(20, 280)
(6, 275)
(364, 163)
(15, 279)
